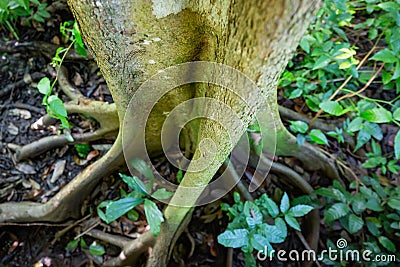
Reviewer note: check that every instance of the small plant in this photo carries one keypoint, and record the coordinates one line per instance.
(54, 105)
(314, 136)
(249, 228)
(138, 195)
(368, 208)
(11, 10)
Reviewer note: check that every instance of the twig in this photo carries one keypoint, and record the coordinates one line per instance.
(69, 227)
(307, 246)
(119, 241)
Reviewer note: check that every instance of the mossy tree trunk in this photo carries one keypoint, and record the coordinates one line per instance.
(133, 40)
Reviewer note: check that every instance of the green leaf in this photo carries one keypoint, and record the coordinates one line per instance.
(142, 167)
(385, 55)
(322, 62)
(57, 106)
(373, 129)
(396, 114)
(335, 212)
(377, 115)
(234, 239)
(355, 125)
(318, 137)
(332, 107)
(72, 245)
(153, 215)
(394, 203)
(82, 149)
(300, 210)
(285, 204)
(115, 209)
(253, 214)
(362, 138)
(162, 194)
(358, 204)
(135, 183)
(331, 193)
(355, 223)
(386, 243)
(397, 145)
(373, 225)
(44, 86)
(96, 249)
(292, 222)
(298, 127)
(271, 206)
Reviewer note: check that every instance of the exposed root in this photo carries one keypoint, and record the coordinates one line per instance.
(66, 203)
(119, 241)
(46, 49)
(47, 143)
(132, 251)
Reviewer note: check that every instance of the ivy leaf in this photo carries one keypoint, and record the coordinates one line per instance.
(153, 215)
(44, 86)
(377, 115)
(234, 239)
(332, 107)
(292, 222)
(322, 62)
(318, 137)
(285, 204)
(300, 210)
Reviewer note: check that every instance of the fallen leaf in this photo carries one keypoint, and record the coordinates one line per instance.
(25, 168)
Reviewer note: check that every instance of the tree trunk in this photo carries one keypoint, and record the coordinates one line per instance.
(133, 40)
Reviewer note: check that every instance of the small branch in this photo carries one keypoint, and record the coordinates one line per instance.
(119, 241)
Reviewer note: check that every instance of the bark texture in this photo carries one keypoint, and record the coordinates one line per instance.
(133, 40)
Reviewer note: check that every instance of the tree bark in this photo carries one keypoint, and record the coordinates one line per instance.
(133, 40)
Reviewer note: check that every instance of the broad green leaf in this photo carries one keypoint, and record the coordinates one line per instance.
(385, 55)
(300, 210)
(318, 137)
(335, 212)
(332, 107)
(57, 106)
(134, 183)
(143, 168)
(362, 138)
(292, 222)
(322, 62)
(345, 65)
(96, 249)
(298, 126)
(386, 243)
(397, 145)
(259, 241)
(373, 129)
(355, 125)
(162, 194)
(355, 223)
(72, 245)
(234, 239)
(285, 204)
(281, 226)
(358, 204)
(271, 206)
(373, 225)
(153, 215)
(44, 86)
(273, 233)
(374, 204)
(377, 115)
(331, 193)
(252, 213)
(396, 114)
(116, 209)
(394, 203)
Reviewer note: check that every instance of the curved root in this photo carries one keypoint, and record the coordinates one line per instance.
(65, 204)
